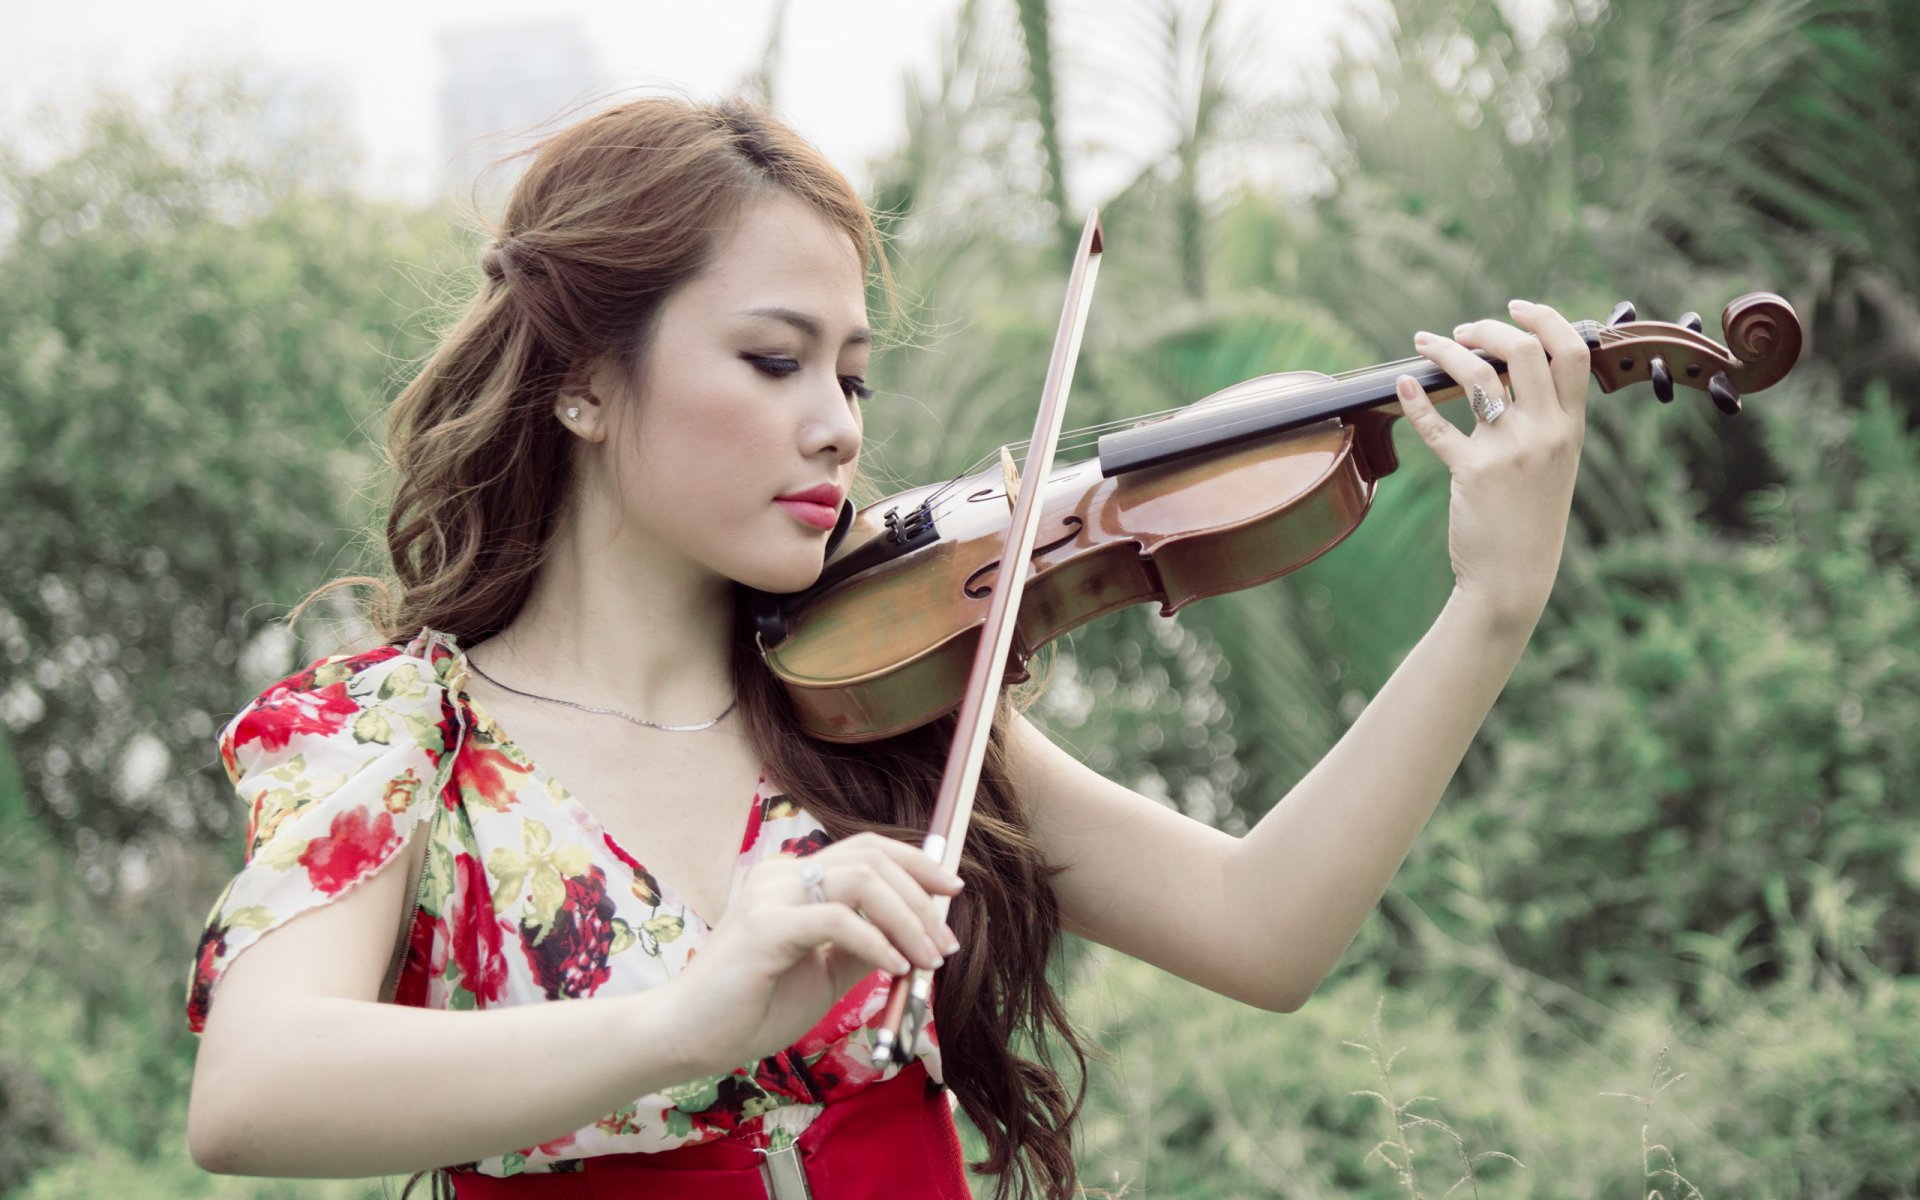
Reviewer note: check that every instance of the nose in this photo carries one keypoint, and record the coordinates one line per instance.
(833, 428)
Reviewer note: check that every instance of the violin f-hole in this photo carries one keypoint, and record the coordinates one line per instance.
(977, 588)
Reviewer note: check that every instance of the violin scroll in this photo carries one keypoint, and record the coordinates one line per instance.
(1763, 342)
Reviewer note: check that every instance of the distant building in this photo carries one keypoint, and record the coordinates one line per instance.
(504, 85)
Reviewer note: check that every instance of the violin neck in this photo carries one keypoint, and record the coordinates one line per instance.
(1271, 404)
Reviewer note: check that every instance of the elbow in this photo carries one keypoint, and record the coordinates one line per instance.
(208, 1153)
(1288, 993)
(1288, 1002)
(1281, 998)
(210, 1140)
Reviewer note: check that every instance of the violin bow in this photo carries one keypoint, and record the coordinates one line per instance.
(911, 996)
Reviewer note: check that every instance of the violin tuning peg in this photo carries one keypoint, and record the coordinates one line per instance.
(1725, 396)
(1690, 321)
(1662, 380)
(1623, 311)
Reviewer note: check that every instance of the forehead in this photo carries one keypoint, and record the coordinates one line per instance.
(781, 252)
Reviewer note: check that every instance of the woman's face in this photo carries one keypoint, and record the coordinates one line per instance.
(742, 432)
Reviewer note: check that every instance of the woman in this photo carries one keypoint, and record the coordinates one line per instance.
(653, 400)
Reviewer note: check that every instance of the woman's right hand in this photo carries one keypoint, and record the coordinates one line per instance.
(779, 959)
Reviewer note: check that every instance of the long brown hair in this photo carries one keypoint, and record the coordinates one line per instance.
(612, 214)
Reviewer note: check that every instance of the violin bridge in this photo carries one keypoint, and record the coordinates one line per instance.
(1010, 475)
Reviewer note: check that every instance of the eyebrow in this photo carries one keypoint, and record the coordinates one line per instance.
(806, 324)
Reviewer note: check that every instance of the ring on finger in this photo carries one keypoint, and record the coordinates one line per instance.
(1486, 405)
(810, 877)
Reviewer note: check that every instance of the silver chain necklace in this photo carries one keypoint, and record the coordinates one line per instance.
(607, 712)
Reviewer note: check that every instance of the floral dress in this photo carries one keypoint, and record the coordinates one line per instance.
(524, 898)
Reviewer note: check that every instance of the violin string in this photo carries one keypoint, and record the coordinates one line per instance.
(937, 501)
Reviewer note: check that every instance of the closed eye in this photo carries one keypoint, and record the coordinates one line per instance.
(780, 366)
(777, 365)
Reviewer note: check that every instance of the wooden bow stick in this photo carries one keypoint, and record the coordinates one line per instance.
(908, 1002)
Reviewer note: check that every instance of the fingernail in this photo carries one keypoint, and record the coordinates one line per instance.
(1459, 331)
(1422, 338)
(1518, 306)
(900, 965)
(1404, 387)
(955, 881)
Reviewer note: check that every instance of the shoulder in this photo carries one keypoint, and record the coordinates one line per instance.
(370, 698)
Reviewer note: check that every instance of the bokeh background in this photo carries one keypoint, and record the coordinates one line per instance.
(1661, 934)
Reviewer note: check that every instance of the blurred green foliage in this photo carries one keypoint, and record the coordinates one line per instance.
(1790, 1092)
(1689, 824)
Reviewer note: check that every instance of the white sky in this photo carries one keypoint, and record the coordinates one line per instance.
(841, 80)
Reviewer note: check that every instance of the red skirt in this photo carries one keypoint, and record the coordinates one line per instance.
(886, 1141)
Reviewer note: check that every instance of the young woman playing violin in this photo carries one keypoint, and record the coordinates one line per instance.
(567, 775)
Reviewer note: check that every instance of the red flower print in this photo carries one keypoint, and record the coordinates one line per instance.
(550, 1149)
(800, 847)
(477, 933)
(785, 1075)
(295, 706)
(861, 1004)
(213, 944)
(401, 790)
(354, 845)
(841, 1068)
(411, 990)
(755, 819)
(571, 960)
(726, 1113)
(488, 773)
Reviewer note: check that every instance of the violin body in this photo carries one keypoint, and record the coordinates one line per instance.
(890, 650)
(1242, 487)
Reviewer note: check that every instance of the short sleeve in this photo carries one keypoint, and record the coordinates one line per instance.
(337, 765)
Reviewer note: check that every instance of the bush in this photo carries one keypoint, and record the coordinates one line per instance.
(1705, 751)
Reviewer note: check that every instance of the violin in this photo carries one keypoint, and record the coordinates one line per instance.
(1233, 490)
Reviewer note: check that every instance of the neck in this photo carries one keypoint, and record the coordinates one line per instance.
(614, 624)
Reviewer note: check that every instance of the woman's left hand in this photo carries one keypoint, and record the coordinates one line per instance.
(1513, 477)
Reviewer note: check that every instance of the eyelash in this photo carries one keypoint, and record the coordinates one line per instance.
(780, 367)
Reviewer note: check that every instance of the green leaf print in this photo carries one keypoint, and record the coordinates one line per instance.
(373, 726)
(659, 930)
(283, 854)
(696, 1096)
(509, 871)
(291, 771)
(426, 732)
(404, 682)
(623, 1120)
(542, 869)
(254, 916)
(546, 895)
(623, 937)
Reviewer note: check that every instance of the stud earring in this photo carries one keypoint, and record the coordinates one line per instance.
(573, 414)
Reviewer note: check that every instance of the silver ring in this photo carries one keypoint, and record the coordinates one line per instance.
(1486, 406)
(810, 876)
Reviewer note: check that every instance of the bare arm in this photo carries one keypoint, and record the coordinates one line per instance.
(303, 1073)
(1264, 918)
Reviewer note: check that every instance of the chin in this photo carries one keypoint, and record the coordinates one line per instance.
(781, 577)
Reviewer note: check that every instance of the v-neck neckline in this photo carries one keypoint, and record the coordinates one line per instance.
(575, 807)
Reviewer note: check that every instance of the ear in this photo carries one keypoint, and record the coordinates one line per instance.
(582, 403)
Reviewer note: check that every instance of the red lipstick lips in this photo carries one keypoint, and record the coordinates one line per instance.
(817, 506)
